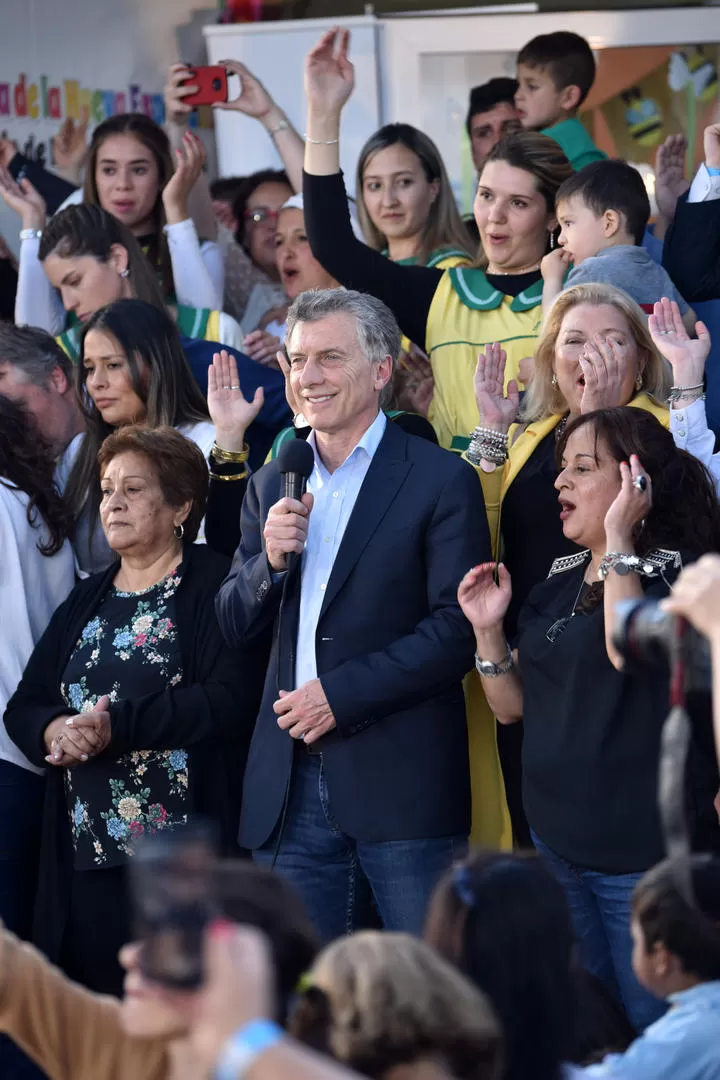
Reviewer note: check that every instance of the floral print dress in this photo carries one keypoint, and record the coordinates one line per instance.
(129, 649)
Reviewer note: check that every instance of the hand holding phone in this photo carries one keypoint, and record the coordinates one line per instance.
(211, 83)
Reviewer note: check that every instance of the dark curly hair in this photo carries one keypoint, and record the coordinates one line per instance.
(26, 462)
(685, 513)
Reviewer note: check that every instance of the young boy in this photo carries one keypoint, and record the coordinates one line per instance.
(555, 73)
(602, 212)
(676, 957)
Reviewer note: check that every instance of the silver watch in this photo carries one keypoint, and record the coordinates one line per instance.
(489, 670)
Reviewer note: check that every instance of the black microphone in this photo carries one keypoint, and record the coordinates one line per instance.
(296, 461)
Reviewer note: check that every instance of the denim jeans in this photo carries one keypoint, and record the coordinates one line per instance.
(21, 803)
(334, 874)
(600, 905)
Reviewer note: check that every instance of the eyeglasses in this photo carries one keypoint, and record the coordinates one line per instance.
(261, 214)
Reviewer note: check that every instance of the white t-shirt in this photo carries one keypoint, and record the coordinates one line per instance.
(32, 586)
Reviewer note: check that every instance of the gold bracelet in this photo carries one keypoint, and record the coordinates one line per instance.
(230, 476)
(230, 455)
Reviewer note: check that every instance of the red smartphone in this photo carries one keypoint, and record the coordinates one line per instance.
(212, 86)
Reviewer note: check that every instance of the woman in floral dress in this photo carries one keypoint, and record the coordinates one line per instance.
(133, 700)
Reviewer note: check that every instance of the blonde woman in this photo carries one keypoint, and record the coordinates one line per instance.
(388, 1006)
(594, 352)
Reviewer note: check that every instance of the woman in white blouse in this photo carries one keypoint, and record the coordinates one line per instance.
(130, 173)
(687, 357)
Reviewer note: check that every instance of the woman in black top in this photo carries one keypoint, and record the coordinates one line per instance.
(592, 729)
(133, 700)
(452, 314)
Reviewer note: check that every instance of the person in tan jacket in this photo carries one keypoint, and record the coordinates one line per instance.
(73, 1034)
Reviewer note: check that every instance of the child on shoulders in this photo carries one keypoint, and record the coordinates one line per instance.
(555, 73)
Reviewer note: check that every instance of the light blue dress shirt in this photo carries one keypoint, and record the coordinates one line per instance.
(335, 495)
(683, 1045)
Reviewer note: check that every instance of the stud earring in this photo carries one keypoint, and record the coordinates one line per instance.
(125, 272)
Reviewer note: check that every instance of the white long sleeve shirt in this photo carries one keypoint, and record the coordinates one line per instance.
(32, 586)
(689, 428)
(198, 273)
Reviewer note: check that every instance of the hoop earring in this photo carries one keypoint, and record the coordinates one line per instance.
(553, 381)
(125, 272)
(179, 531)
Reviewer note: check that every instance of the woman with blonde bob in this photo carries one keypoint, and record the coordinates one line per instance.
(387, 1006)
(594, 352)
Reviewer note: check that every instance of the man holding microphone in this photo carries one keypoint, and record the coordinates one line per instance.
(358, 769)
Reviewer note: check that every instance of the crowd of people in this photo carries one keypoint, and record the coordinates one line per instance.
(319, 519)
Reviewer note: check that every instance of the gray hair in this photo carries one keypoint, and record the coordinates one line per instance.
(33, 352)
(377, 329)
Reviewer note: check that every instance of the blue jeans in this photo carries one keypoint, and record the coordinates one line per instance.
(335, 874)
(21, 803)
(600, 905)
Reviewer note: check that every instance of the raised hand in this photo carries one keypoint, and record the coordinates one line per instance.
(670, 182)
(329, 75)
(686, 355)
(191, 158)
(70, 145)
(631, 505)
(604, 373)
(497, 409)
(711, 142)
(253, 99)
(262, 347)
(178, 86)
(229, 410)
(484, 602)
(24, 200)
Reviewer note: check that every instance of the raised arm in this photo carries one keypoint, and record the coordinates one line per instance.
(407, 290)
(484, 604)
(692, 246)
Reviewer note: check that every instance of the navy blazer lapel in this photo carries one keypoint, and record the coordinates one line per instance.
(386, 474)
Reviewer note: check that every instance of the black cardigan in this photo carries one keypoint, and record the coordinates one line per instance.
(211, 714)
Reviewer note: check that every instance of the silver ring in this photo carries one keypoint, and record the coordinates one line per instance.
(227, 387)
(234, 387)
(640, 482)
(663, 331)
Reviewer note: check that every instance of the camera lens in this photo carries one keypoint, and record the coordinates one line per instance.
(216, 84)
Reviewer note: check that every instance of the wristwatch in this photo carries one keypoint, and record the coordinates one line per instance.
(489, 670)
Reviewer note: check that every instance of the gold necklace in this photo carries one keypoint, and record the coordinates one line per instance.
(520, 270)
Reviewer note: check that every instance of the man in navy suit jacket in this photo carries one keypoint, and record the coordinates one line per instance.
(358, 769)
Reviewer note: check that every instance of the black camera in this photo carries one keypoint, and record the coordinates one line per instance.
(646, 635)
